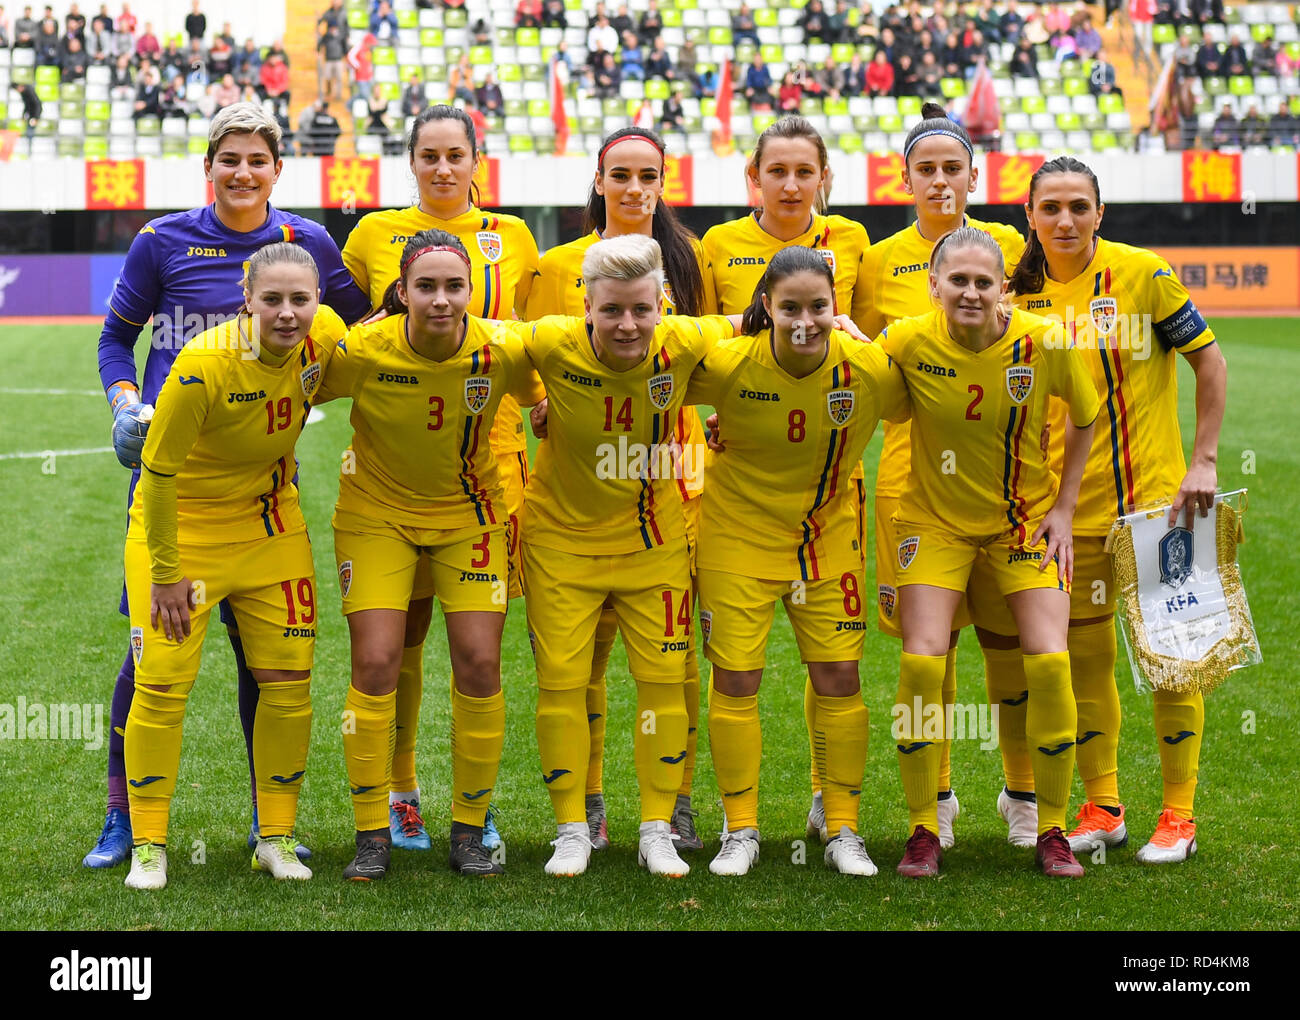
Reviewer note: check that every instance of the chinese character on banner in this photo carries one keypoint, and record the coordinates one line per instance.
(885, 180)
(488, 179)
(1211, 176)
(679, 180)
(1008, 178)
(1254, 274)
(1225, 275)
(1193, 276)
(115, 184)
(349, 183)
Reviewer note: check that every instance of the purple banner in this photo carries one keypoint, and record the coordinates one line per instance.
(45, 285)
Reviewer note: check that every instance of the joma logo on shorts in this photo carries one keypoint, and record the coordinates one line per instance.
(404, 379)
(746, 260)
(1021, 557)
(928, 369)
(243, 398)
(674, 646)
(581, 380)
(849, 625)
(299, 632)
(758, 395)
(476, 575)
(915, 267)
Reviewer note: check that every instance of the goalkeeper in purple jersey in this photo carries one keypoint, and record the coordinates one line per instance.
(184, 271)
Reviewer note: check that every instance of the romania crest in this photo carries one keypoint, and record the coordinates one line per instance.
(478, 389)
(1175, 557)
(840, 405)
(1103, 311)
(829, 256)
(888, 598)
(706, 624)
(137, 643)
(489, 243)
(907, 550)
(310, 378)
(661, 390)
(1020, 380)
(345, 576)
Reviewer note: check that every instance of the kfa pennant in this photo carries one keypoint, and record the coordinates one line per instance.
(477, 391)
(661, 390)
(1020, 380)
(839, 403)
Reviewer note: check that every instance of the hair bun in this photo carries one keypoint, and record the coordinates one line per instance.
(933, 111)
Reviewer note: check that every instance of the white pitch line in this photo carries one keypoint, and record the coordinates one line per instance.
(49, 393)
(41, 454)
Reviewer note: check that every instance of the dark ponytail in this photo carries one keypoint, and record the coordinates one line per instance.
(785, 263)
(1030, 274)
(935, 122)
(444, 112)
(681, 268)
(430, 238)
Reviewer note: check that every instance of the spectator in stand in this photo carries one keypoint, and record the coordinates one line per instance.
(1056, 21)
(838, 23)
(108, 18)
(274, 80)
(867, 31)
(880, 75)
(74, 62)
(758, 84)
(414, 99)
(687, 59)
(75, 24)
(652, 24)
(1142, 13)
(1011, 24)
(1209, 59)
(528, 14)
(25, 29)
(974, 49)
(101, 43)
(950, 57)
(907, 78)
(121, 80)
(808, 81)
(488, 96)
(48, 44)
(673, 117)
(331, 67)
(335, 15)
(227, 34)
(32, 106)
(460, 83)
(248, 64)
(221, 59)
(148, 95)
(383, 24)
(1024, 62)
(790, 95)
(989, 22)
(923, 43)
(1087, 40)
(607, 78)
(1254, 128)
(1185, 56)
(743, 26)
(198, 65)
(1235, 60)
(1227, 129)
(1207, 11)
(325, 130)
(562, 55)
(931, 74)
(830, 76)
(632, 59)
(172, 103)
(480, 33)
(1284, 127)
(276, 48)
(855, 76)
(1034, 30)
(659, 64)
(1263, 58)
(1102, 80)
(196, 23)
(622, 22)
(815, 23)
(553, 14)
(172, 60)
(888, 42)
(601, 36)
(362, 65)
(226, 92)
(305, 119)
(147, 44)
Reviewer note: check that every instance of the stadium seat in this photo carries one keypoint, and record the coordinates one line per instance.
(850, 142)
(1027, 141)
(1103, 141)
(1110, 103)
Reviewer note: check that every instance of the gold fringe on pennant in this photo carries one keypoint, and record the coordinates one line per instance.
(1237, 648)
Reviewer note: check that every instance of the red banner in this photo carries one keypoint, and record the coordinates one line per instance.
(885, 180)
(1006, 178)
(115, 184)
(1211, 176)
(488, 179)
(679, 180)
(349, 183)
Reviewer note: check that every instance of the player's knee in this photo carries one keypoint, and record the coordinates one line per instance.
(478, 672)
(834, 679)
(374, 669)
(418, 615)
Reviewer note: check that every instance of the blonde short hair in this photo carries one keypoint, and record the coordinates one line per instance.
(629, 257)
(246, 119)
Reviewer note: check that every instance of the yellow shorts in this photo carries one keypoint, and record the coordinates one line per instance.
(270, 583)
(377, 565)
(929, 555)
(514, 476)
(691, 510)
(887, 573)
(1092, 592)
(736, 617)
(651, 595)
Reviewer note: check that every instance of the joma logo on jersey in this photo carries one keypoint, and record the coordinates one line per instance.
(661, 390)
(1024, 556)
(211, 253)
(929, 369)
(887, 596)
(581, 380)
(489, 243)
(244, 398)
(406, 380)
(1020, 380)
(477, 575)
(310, 377)
(907, 550)
(1036, 303)
(398, 239)
(746, 260)
(759, 395)
(839, 404)
(477, 391)
(915, 267)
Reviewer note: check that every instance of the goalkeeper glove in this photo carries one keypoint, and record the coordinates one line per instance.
(130, 424)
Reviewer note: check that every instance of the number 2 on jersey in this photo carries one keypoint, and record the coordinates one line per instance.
(971, 413)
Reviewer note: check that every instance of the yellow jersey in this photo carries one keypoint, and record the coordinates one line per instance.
(503, 263)
(1127, 313)
(977, 466)
(778, 505)
(558, 290)
(224, 428)
(738, 252)
(897, 272)
(419, 454)
(605, 477)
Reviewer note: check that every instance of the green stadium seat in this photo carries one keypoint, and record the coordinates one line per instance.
(810, 106)
(97, 148)
(889, 123)
(451, 55)
(842, 53)
(835, 107)
(850, 143)
(534, 72)
(516, 108)
(175, 145)
(1215, 86)
(1008, 104)
(909, 106)
(431, 38)
(71, 147)
(656, 88)
(95, 128)
(1034, 104)
(71, 111)
(391, 90)
(1027, 141)
(47, 93)
(407, 17)
(1241, 85)
(480, 56)
(509, 72)
(1051, 86)
(1162, 34)
(590, 125)
(1261, 32)
(762, 121)
(454, 18)
(672, 18)
(1110, 103)
(744, 53)
(766, 17)
(539, 107)
(528, 37)
(505, 36)
(719, 35)
(384, 56)
(22, 75)
(772, 53)
(864, 123)
(1075, 86)
(522, 144)
(405, 71)
(73, 91)
(545, 145)
(359, 19)
(1103, 140)
(1094, 121)
(1069, 121)
(613, 107)
(48, 74)
(952, 87)
(708, 106)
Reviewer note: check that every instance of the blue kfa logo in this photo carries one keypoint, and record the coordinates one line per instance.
(1175, 557)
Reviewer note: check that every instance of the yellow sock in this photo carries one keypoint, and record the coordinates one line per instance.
(919, 736)
(478, 733)
(410, 691)
(659, 737)
(597, 702)
(1004, 677)
(810, 721)
(1092, 675)
(736, 742)
(1050, 723)
(369, 733)
(841, 740)
(152, 748)
(691, 695)
(1180, 722)
(281, 733)
(949, 699)
(563, 741)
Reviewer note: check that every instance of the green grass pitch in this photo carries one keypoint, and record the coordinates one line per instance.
(62, 641)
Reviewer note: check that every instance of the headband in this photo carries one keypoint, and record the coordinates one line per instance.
(950, 132)
(435, 247)
(600, 160)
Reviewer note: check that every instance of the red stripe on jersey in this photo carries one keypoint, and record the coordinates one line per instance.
(1122, 427)
(311, 349)
(848, 373)
(682, 435)
(1106, 282)
(486, 351)
(663, 353)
